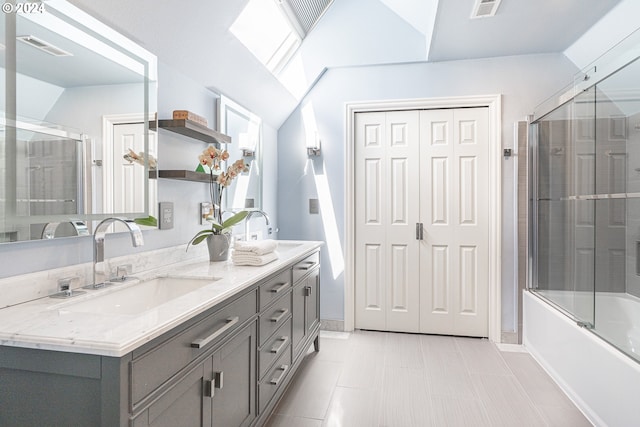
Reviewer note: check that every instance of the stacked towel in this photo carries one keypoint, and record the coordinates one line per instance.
(255, 252)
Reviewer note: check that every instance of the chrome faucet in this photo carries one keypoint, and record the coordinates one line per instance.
(49, 230)
(98, 246)
(248, 218)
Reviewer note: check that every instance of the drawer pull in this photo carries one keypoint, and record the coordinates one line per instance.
(284, 369)
(277, 350)
(199, 343)
(280, 287)
(282, 315)
(308, 265)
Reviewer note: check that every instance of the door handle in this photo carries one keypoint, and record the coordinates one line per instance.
(419, 231)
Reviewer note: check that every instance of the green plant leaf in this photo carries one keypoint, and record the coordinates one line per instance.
(230, 222)
(149, 221)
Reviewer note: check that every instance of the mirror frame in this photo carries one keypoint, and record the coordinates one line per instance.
(226, 106)
(62, 14)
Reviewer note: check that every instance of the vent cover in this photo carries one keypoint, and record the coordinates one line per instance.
(304, 13)
(485, 8)
(43, 46)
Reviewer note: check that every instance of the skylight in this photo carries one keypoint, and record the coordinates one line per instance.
(263, 28)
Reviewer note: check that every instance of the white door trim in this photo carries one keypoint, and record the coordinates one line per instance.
(493, 102)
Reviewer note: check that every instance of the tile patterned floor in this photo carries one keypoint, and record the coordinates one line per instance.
(373, 379)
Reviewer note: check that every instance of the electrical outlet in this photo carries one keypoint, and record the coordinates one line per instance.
(165, 220)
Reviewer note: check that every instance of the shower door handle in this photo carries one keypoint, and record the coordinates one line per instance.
(419, 231)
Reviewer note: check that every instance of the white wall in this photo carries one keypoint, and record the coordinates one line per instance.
(522, 81)
(175, 92)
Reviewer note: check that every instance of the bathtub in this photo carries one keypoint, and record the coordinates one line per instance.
(601, 380)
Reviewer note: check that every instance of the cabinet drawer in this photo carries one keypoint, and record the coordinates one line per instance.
(274, 316)
(274, 380)
(275, 346)
(303, 267)
(274, 287)
(154, 367)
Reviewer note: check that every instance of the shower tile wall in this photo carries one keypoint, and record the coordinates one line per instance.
(633, 204)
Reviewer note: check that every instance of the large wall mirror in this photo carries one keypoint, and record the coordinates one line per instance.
(75, 145)
(245, 129)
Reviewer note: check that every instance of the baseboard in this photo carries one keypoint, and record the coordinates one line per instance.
(332, 325)
(509, 338)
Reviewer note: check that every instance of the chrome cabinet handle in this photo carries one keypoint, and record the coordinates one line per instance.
(276, 381)
(211, 385)
(419, 231)
(277, 350)
(199, 343)
(307, 291)
(283, 313)
(308, 265)
(280, 287)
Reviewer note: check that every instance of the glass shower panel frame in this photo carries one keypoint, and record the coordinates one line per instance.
(564, 211)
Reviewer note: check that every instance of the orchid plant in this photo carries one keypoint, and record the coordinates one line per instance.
(211, 160)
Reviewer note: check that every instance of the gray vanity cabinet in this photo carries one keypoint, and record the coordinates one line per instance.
(306, 304)
(217, 392)
(226, 367)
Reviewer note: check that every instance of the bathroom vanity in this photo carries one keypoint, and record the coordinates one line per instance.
(221, 354)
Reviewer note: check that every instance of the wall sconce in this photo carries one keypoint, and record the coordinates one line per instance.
(247, 145)
(313, 148)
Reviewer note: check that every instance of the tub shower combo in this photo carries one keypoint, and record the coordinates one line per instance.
(582, 314)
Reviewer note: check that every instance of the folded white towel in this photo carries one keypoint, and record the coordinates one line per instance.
(257, 247)
(247, 258)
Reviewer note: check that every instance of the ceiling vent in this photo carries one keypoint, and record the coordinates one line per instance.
(43, 46)
(485, 8)
(304, 14)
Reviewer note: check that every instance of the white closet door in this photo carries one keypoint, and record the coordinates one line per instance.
(454, 188)
(128, 178)
(387, 210)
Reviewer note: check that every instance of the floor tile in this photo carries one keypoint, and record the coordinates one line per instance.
(353, 407)
(374, 379)
(364, 362)
(405, 397)
(288, 421)
(453, 411)
(481, 356)
(403, 351)
(448, 375)
(505, 401)
(315, 378)
(536, 383)
(562, 416)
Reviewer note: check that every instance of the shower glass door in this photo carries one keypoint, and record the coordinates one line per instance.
(587, 208)
(565, 207)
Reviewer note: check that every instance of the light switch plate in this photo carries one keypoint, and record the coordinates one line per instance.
(314, 206)
(165, 210)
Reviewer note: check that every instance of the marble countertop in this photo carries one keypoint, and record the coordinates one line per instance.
(51, 324)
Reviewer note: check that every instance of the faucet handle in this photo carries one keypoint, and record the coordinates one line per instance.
(64, 287)
(122, 272)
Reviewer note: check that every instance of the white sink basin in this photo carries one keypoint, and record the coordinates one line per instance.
(140, 297)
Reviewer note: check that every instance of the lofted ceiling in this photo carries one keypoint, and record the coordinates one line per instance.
(192, 37)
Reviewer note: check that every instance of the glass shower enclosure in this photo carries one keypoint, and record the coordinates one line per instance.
(586, 205)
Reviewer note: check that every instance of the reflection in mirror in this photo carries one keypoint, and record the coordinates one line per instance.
(245, 129)
(75, 143)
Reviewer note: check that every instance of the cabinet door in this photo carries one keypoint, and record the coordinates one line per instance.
(299, 314)
(183, 405)
(312, 292)
(305, 310)
(234, 381)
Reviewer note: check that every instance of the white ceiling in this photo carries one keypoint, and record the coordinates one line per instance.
(192, 37)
